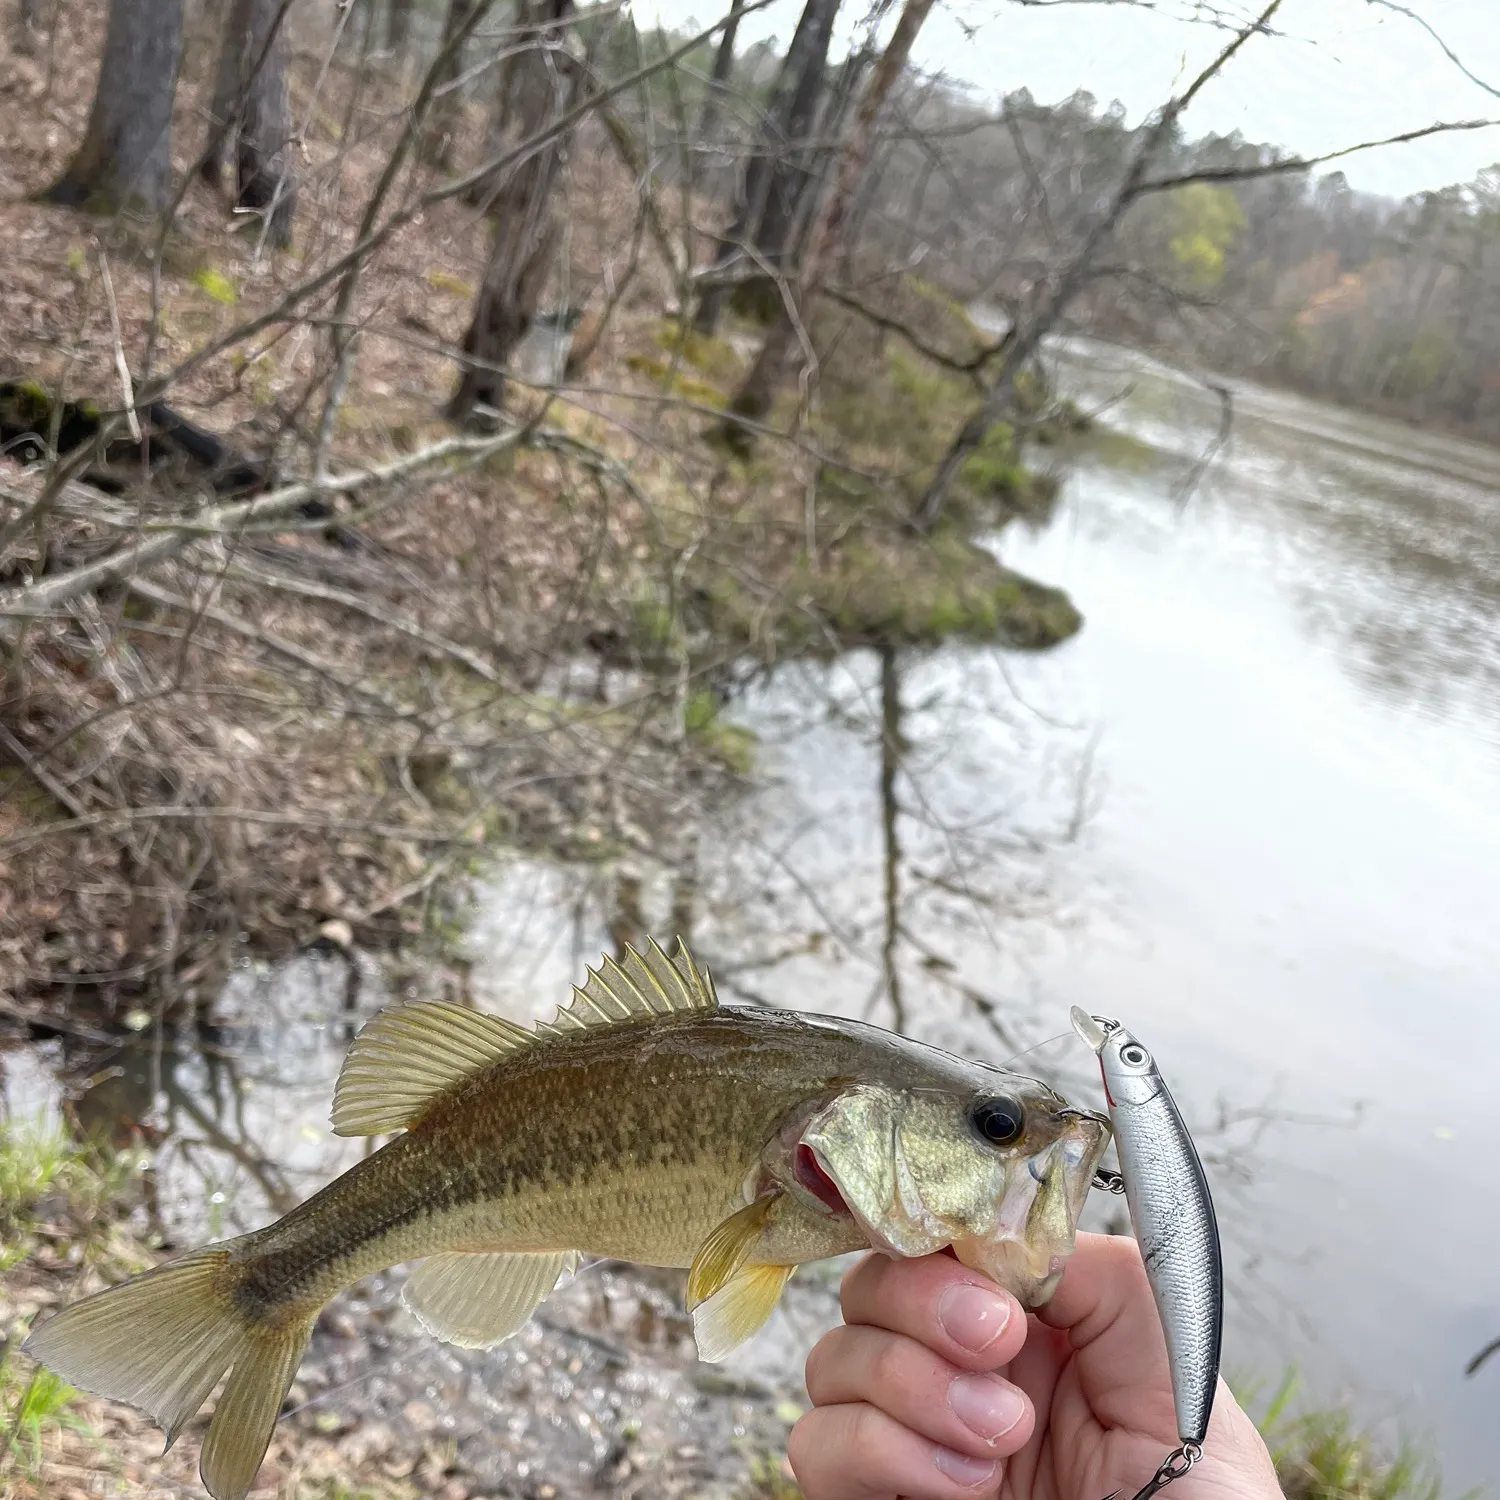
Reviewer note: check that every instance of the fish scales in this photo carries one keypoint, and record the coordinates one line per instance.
(634, 1152)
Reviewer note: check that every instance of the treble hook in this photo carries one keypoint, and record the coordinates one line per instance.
(1173, 1466)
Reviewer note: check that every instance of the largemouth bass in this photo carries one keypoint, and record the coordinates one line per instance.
(646, 1123)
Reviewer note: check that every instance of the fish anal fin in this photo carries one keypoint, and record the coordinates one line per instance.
(475, 1301)
(641, 985)
(738, 1310)
(726, 1249)
(407, 1055)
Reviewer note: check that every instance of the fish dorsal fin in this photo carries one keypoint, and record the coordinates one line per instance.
(475, 1301)
(644, 985)
(406, 1056)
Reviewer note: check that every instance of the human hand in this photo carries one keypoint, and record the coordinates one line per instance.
(939, 1387)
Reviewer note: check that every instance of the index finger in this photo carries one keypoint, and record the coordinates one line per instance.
(954, 1311)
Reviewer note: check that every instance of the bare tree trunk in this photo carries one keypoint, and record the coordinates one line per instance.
(754, 397)
(252, 116)
(792, 167)
(795, 96)
(29, 26)
(892, 743)
(718, 80)
(125, 160)
(538, 87)
(398, 26)
(446, 109)
(831, 126)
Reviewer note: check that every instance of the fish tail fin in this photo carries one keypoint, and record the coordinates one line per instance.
(162, 1342)
(245, 1417)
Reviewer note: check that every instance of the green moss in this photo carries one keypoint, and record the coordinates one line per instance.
(677, 382)
(893, 589)
(34, 803)
(441, 281)
(1120, 450)
(654, 626)
(713, 357)
(757, 300)
(732, 745)
(943, 589)
(216, 285)
(942, 303)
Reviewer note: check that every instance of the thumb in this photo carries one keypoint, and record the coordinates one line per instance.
(1105, 1307)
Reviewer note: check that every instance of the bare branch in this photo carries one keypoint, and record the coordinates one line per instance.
(47, 594)
(1303, 163)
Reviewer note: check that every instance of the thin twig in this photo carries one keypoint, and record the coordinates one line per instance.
(127, 391)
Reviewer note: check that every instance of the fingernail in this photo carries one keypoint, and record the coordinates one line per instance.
(988, 1407)
(973, 1316)
(962, 1469)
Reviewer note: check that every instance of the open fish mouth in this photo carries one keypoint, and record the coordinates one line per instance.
(814, 1176)
(1015, 1221)
(1036, 1227)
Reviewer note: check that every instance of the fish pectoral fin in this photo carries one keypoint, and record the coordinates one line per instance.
(738, 1310)
(475, 1301)
(727, 1248)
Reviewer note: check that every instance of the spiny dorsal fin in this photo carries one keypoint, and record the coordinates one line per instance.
(406, 1056)
(644, 985)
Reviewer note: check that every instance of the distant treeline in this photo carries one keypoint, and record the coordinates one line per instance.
(1283, 273)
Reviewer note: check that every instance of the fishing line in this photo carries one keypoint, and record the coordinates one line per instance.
(388, 1357)
(367, 1374)
(1015, 1057)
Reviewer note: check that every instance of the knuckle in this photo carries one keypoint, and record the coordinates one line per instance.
(865, 1436)
(800, 1444)
(824, 1361)
(889, 1363)
(860, 1281)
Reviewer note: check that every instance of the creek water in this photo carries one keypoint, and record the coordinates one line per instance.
(1253, 809)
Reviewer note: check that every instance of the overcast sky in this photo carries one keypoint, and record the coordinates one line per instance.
(1343, 71)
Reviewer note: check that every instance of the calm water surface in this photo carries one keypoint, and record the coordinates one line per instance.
(1253, 809)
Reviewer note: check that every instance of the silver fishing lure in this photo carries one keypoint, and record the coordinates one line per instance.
(1173, 1216)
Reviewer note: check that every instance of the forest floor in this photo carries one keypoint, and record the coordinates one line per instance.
(328, 720)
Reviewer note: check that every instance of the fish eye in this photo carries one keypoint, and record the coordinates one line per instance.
(1133, 1053)
(1000, 1120)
